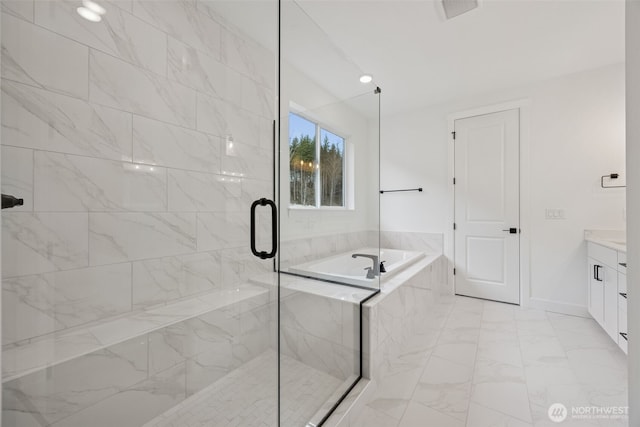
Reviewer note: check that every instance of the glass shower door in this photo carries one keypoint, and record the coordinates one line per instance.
(329, 256)
(137, 134)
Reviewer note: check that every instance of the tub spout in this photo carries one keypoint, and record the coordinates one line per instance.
(376, 264)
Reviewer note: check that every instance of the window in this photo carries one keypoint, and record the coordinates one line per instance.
(316, 170)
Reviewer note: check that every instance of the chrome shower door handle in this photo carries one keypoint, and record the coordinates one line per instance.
(274, 228)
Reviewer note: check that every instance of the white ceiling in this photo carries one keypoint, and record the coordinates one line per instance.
(418, 58)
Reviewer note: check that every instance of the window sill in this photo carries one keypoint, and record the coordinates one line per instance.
(322, 208)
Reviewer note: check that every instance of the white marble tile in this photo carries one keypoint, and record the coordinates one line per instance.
(34, 305)
(39, 119)
(494, 371)
(257, 99)
(239, 265)
(421, 415)
(462, 352)
(20, 360)
(58, 392)
(371, 417)
(159, 281)
(123, 328)
(159, 143)
(118, 84)
(68, 183)
(20, 8)
(37, 57)
(181, 19)
(119, 33)
(540, 349)
(314, 315)
(558, 371)
(505, 352)
(204, 73)
(206, 368)
(326, 356)
(203, 192)
(117, 237)
(43, 242)
(446, 387)
(135, 405)
(249, 57)
(17, 176)
(221, 118)
(510, 398)
(222, 230)
(479, 416)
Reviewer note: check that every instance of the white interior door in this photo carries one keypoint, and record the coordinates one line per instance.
(487, 223)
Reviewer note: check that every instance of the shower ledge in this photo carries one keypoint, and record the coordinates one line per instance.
(56, 348)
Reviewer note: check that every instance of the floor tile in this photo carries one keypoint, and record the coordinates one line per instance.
(418, 415)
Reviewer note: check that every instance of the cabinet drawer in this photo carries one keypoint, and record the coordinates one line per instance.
(622, 262)
(604, 255)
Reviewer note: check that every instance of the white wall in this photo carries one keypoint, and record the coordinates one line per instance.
(633, 204)
(577, 131)
(342, 118)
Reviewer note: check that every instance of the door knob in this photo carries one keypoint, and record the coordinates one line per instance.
(512, 230)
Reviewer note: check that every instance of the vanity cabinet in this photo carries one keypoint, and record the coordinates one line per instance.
(607, 291)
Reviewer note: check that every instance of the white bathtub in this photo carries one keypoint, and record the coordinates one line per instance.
(343, 268)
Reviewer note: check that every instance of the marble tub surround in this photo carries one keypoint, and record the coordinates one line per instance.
(406, 307)
(117, 136)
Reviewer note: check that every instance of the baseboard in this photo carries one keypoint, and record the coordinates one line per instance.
(558, 307)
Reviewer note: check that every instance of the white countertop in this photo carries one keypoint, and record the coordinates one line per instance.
(612, 239)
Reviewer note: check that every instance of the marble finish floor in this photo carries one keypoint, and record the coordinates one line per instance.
(482, 364)
(246, 397)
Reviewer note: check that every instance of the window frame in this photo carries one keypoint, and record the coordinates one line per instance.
(319, 126)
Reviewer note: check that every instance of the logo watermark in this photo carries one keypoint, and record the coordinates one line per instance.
(559, 412)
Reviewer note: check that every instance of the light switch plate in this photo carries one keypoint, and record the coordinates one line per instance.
(554, 213)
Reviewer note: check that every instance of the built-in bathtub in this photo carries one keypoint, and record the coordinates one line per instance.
(343, 268)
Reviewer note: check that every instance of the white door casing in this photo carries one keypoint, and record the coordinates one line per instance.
(486, 197)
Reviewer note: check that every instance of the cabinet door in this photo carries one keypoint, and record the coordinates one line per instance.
(610, 323)
(596, 290)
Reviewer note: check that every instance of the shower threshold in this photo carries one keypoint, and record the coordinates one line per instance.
(247, 396)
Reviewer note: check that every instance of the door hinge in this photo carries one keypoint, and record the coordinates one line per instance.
(454, 271)
(453, 134)
(454, 225)
(454, 181)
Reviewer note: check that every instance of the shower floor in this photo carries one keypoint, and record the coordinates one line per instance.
(246, 397)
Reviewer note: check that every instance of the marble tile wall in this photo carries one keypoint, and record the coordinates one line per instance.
(297, 251)
(138, 144)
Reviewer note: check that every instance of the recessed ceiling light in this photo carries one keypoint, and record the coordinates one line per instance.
(366, 78)
(94, 7)
(89, 14)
